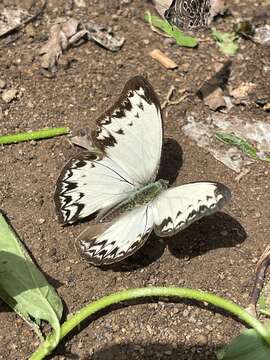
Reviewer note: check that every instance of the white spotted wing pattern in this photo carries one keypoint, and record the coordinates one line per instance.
(117, 182)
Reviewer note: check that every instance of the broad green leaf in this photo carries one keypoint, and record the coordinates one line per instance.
(226, 41)
(247, 346)
(23, 286)
(181, 38)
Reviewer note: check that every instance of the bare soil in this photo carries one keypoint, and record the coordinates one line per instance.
(218, 253)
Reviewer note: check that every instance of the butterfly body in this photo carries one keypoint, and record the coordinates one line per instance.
(118, 182)
(140, 197)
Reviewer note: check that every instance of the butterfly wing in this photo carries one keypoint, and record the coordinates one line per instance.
(88, 183)
(162, 6)
(107, 243)
(176, 208)
(130, 132)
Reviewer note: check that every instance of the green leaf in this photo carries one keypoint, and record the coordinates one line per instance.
(23, 286)
(241, 144)
(226, 41)
(181, 38)
(247, 346)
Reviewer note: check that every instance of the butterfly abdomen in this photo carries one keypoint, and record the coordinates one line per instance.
(142, 196)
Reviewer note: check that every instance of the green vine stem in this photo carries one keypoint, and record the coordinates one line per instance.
(49, 345)
(33, 135)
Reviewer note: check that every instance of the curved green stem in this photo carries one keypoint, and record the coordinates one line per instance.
(33, 135)
(48, 346)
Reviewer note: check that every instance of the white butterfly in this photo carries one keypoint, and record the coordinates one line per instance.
(117, 181)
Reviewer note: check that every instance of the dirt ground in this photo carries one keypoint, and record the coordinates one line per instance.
(218, 253)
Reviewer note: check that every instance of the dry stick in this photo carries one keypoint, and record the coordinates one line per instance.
(169, 102)
(163, 59)
(262, 266)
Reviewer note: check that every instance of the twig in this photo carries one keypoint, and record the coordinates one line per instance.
(243, 173)
(169, 102)
(261, 269)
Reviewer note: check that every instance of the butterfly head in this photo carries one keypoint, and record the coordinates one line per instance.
(164, 184)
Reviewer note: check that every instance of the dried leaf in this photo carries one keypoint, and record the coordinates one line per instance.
(262, 35)
(10, 19)
(72, 33)
(243, 90)
(214, 99)
(104, 36)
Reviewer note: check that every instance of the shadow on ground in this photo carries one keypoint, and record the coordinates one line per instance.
(144, 351)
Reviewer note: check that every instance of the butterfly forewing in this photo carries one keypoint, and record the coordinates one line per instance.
(176, 208)
(88, 183)
(106, 243)
(130, 133)
(129, 141)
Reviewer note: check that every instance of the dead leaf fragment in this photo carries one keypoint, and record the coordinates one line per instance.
(10, 19)
(104, 36)
(163, 59)
(215, 100)
(262, 35)
(243, 90)
(9, 95)
(73, 33)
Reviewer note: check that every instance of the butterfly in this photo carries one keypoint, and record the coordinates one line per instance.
(189, 14)
(117, 181)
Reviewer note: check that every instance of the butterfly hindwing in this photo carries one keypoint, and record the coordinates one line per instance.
(107, 243)
(178, 207)
(130, 132)
(88, 183)
(188, 14)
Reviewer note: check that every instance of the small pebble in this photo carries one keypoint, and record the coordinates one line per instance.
(185, 313)
(2, 84)
(169, 41)
(9, 95)
(202, 339)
